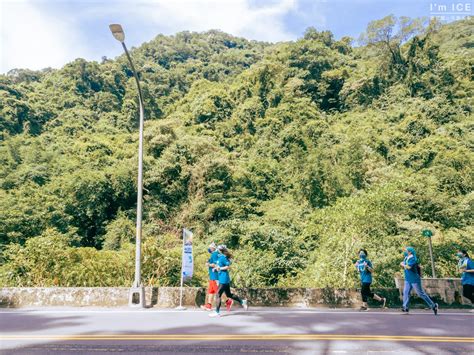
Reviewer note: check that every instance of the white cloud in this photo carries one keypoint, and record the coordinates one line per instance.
(49, 33)
(32, 38)
(257, 19)
(237, 17)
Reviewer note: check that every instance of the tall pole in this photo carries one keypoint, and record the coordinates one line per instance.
(137, 287)
(137, 282)
(180, 307)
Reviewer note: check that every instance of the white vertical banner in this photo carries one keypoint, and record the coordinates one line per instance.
(188, 262)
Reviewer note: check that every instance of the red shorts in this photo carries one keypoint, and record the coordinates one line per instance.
(212, 288)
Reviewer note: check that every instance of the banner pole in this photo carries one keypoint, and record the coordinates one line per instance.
(180, 307)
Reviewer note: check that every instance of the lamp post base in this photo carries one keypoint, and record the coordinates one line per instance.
(136, 297)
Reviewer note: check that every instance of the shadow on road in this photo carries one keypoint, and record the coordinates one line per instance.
(30, 321)
(239, 322)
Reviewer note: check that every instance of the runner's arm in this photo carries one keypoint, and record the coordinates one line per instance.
(411, 262)
(402, 264)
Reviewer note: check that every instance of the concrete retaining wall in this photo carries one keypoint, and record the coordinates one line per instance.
(445, 291)
(169, 296)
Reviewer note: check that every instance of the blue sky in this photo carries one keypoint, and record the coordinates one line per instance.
(49, 33)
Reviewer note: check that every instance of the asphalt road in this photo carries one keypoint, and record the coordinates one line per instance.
(268, 330)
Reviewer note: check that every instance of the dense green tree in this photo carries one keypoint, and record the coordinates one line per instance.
(293, 154)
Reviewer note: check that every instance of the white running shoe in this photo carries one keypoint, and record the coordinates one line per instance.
(245, 304)
(214, 315)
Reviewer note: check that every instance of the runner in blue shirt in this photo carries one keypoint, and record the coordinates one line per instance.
(365, 268)
(223, 266)
(466, 266)
(413, 281)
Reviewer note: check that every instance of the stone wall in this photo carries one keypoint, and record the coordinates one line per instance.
(445, 291)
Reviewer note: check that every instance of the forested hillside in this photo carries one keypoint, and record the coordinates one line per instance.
(293, 154)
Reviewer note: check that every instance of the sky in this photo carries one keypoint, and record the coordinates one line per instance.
(36, 34)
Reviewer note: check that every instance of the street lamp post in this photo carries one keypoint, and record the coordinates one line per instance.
(137, 287)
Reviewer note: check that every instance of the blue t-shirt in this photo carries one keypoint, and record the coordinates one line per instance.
(365, 275)
(411, 275)
(213, 275)
(224, 277)
(467, 277)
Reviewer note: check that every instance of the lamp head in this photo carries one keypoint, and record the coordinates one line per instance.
(117, 32)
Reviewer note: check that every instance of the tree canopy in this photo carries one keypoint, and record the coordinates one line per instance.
(293, 154)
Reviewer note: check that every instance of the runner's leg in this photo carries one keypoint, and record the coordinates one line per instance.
(220, 291)
(406, 295)
(230, 295)
(419, 290)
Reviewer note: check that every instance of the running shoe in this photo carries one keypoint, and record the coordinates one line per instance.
(435, 309)
(405, 311)
(245, 304)
(228, 304)
(214, 315)
(206, 307)
(363, 309)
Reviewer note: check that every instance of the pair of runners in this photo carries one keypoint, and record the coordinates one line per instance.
(219, 280)
(213, 280)
(413, 278)
(412, 273)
